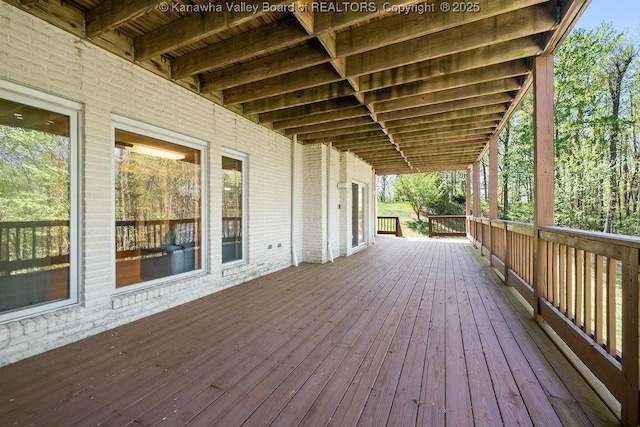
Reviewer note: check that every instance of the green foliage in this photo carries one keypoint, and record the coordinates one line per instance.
(34, 175)
(431, 193)
(595, 147)
(153, 188)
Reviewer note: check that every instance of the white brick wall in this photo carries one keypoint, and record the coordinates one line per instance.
(41, 56)
(353, 169)
(314, 233)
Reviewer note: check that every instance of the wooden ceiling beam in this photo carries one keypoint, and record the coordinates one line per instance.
(442, 143)
(342, 114)
(482, 101)
(443, 66)
(458, 158)
(444, 148)
(301, 97)
(461, 124)
(376, 144)
(264, 39)
(468, 113)
(274, 86)
(406, 26)
(110, 14)
(195, 27)
(364, 136)
(356, 144)
(513, 25)
(332, 125)
(451, 81)
(441, 168)
(323, 107)
(453, 129)
(457, 94)
(355, 130)
(456, 137)
(277, 64)
(335, 15)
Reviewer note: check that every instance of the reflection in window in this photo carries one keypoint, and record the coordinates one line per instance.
(232, 242)
(358, 201)
(35, 208)
(158, 208)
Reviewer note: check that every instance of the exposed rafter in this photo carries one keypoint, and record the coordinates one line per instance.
(407, 90)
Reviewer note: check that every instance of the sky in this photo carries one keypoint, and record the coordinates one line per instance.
(624, 14)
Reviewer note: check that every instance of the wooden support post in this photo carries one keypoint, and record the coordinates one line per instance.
(468, 204)
(543, 170)
(477, 212)
(493, 177)
(630, 338)
(493, 191)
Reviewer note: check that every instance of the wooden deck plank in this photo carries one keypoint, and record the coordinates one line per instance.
(188, 405)
(192, 381)
(353, 345)
(406, 401)
(511, 405)
(114, 351)
(486, 383)
(554, 371)
(458, 398)
(260, 383)
(406, 332)
(432, 409)
(377, 409)
(162, 371)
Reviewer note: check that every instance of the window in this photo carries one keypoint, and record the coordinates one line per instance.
(358, 200)
(158, 204)
(38, 211)
(233, 247)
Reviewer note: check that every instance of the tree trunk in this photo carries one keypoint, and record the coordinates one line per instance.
(619, 65)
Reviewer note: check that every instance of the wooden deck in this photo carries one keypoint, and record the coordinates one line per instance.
(406, 332)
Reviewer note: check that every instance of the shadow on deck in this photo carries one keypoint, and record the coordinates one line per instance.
(408, 332)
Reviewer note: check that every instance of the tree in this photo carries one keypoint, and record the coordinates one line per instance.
(431, 193)
(616, 71)
(384, 187)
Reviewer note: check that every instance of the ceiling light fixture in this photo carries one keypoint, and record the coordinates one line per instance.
(151, 151)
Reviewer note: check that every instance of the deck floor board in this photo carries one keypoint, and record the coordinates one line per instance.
(407, 332)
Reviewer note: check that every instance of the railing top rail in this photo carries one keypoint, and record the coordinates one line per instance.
(594, 237)
(40, 223)
(388, 217)
(447, 217)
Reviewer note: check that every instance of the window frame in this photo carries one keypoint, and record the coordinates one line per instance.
(362, 188)
(157, 132)
(242, 157)
(46, 101)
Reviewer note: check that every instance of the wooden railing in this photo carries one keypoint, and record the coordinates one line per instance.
(28, 245)
(33, 244)
(587, 292)
(389, 225)
(132, 236)
(447, 225)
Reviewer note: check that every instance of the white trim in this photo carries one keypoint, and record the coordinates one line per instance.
(162, 134)
(46, 101)
(243, 157)
(365, 211)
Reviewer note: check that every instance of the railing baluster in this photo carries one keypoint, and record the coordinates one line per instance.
(612, 266)
(579, 302)
(588, 294)
(562, 270)
(599, 300)
(571, 264)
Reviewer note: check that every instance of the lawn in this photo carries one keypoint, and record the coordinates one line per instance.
(411, 227)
